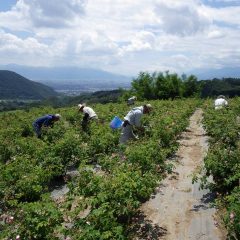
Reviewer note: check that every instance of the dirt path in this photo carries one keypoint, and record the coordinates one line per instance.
(180, 209)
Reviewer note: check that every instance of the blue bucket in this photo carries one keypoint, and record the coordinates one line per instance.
(116, 123)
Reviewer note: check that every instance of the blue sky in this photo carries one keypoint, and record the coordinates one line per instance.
(121, 36)
(221, 3)
(7, 4)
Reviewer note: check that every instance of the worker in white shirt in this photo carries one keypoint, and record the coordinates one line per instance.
(220, 102)
(89, 115)
(131, 100)
(133, 118)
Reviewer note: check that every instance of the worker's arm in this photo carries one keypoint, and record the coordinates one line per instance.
(140, 128)
(85, 117)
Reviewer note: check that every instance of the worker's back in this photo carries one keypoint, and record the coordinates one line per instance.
(220, 103)
(131, 100)
(90, 112)
(134, 116)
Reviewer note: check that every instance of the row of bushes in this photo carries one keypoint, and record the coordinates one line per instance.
(222, 161)
(129, 173)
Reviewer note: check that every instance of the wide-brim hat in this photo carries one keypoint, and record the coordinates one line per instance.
(81, 106)
(57, 115)
(149, 106)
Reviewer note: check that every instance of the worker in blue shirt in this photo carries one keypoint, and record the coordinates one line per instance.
(46, 121)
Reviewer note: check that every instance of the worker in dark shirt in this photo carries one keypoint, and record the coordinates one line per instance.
(46, 121)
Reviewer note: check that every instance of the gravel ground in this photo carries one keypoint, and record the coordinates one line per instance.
(179, 208)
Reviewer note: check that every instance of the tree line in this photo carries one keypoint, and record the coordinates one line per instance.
(165, 85)
(159, 85)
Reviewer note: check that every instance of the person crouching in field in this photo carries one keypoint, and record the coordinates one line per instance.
(220, 102)
(131, 100)
(44, 121)
(89, 115)
(133, 118)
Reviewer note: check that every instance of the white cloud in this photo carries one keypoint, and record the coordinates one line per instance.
(15, 19)
(122, 35)
(141, 41)
(52, 13)
(180, 61)
(230, 15)
(181, 18)
(224, 1)
(19, 46)
(30, 51)
(215, 34)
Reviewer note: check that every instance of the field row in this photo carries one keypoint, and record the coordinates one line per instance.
(222, 161)
(99, 205)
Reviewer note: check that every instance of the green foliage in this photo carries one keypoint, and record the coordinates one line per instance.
(143, 86)
(232, 218)
(68, 149)
(22, 179)
(36, 220)
(164, 86)
(127, 176)
(191, 87)
(226, 86)
(222, 160)
(15, 86)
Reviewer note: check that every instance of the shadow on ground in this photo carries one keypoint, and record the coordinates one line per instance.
(206, 202)
(141, 228)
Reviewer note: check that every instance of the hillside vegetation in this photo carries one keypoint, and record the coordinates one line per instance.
(102, 205)
(15, 86)
(227, 86)
(129, 174)
(159, 85)
(222, 161)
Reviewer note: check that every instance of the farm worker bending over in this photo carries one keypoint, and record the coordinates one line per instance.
(220, 102)
(89, 115)
(131, 100)
(46, 121)
(133, 118)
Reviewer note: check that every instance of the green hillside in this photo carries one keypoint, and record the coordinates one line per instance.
(103, 200)
(15, 86)
(29, 167)
(227, 86)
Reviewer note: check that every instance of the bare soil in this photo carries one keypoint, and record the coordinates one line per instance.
(180, 210)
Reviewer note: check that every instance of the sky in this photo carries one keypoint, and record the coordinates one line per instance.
(121, 36)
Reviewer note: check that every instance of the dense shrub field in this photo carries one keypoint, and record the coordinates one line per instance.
(99, 204)
(223, 161)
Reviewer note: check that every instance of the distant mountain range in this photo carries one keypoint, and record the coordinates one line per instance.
(15, 86)
(72, 78)
(206, 74)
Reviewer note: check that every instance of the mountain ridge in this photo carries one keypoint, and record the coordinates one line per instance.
(226, 72)
(60, 77)
(15, 86)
